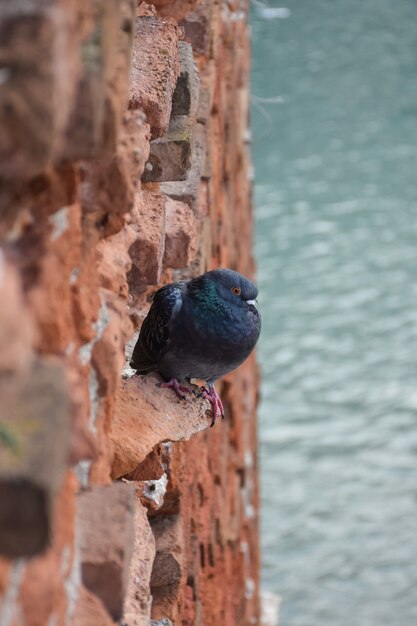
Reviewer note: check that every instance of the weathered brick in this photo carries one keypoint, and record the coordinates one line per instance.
(185, 98)
(91, 129)
(37, 421)
(162, 417)
(138, 599)
(119, 74)
(175, 8)
(167, 566)
(181, 235)
(197, 27)
(89, 611)
(106, 526)
(147, 249)
(170, 155)
(188, 190)
(154, 70)
(37, 90)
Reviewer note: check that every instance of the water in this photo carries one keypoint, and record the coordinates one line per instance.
(335, 153)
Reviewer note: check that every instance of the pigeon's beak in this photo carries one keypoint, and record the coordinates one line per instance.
(253, 303)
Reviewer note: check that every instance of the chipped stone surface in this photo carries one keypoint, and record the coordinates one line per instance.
(106, 523)
(196, 26)
(90, 611)
(188, 190)
(147, 249)
(185, 97)
(154, 70)
(107, 39)
(32, 125)
(175, 8)
(145, 415)
(170, 156)
(181, 236)
(168, 565)
(138, 599)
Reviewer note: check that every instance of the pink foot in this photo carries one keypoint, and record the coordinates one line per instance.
(177, 387)
(211, 395)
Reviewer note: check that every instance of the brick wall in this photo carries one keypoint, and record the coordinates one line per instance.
(124, 165)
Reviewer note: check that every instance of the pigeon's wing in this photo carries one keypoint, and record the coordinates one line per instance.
(154, 334)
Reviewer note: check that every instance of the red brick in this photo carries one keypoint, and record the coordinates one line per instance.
(147, 250)
(154, 70)
(188, 190)
(38, 89)
(167, 567)
(170, 155)
(181, 236)
(90, 611)
(106, 526)
(175, 8)
(138, 600)
(196, 26)
(145, 415)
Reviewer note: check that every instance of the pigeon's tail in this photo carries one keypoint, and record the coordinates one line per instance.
(141, 362)
(142, 370)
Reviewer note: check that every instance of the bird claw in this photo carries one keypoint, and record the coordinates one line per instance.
(177, 387)
(211, 395)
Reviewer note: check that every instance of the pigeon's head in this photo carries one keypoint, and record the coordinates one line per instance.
(233, 287)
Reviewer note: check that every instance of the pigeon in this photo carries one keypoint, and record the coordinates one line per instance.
(201, 329)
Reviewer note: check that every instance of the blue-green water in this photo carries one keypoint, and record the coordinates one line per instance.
(335, 155)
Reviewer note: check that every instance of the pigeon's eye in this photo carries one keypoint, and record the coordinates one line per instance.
(236, 291)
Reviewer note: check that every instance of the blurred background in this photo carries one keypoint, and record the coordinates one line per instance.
(334, 118)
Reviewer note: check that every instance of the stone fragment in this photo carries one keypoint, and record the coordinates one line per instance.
(108, 185)
(150, 469)
(106, 192)
(167, 566)
(134, 144)
(138, 598)
(101, 97)
(37, 421)
(154, 70)
(196, 27)
(170, 155)
(175, 8)
(172, 495)
(106, 525)
(185, 98)
(37, 85)
(145, 10)
(119, 75)
(181, 235)
(207, 86)
(188, 191)
(146, 251)
(152, 492)
(146, 415)
(89, 611)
